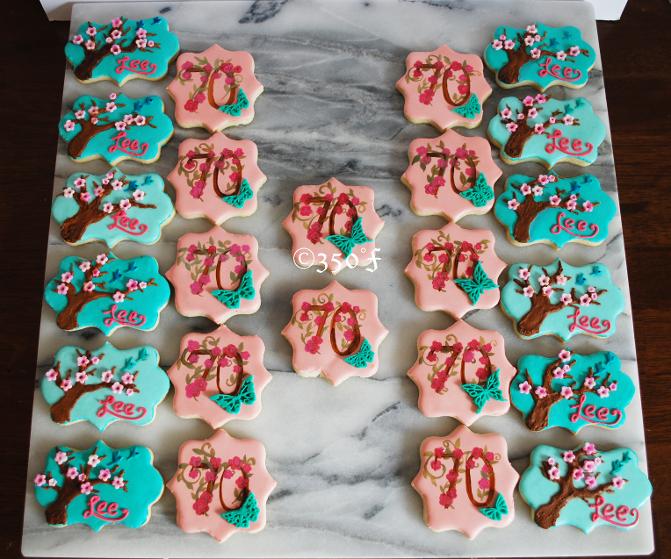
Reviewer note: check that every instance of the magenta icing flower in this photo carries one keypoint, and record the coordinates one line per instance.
(603, 392)
(541, 392)
(66, 385)
(553, 473)
(118, 482)
(564, 355)
(618, 482)
(589, 448)
(40, 480)
(51, 375)
(513, 204)
(566, 392)
(72, 473)
(568, 456)
(524, 387)
(578, 474)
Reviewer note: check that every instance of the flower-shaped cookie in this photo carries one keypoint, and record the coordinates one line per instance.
(217, 178)
(335, 332)
(451, 175)
(214, 89)
(466, 482)
(462, 372)
(104, 385)
(219, 376)
(116, 128)
(333, 225)
(217, 274)
(444, 88)
(107, 293)
(221, 486)
(454, 270)
(99, 486)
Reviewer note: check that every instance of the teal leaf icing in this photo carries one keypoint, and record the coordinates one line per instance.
(480, 193)
(474, 287)
(247, 513)
(233, 402)
(239, 199)
(104, 385)
(498, 511)
(119, 486)
(541, 55)
(594, 390)
(347, 243)
(147, 59)
(231, 297)
(116, 128)
(595, 495)
(482, 394)
(470, 109)
(235, 109)
(362, 358)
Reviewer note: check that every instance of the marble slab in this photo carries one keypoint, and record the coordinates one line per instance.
(343, 457)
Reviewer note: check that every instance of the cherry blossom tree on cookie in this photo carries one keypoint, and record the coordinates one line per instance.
(438, 74)
(528, 45)
(112, 39)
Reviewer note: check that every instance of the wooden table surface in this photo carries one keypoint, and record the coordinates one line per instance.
(637, 67)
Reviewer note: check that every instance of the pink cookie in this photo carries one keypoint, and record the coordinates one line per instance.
(451, 175)
(462, 372)
(217, 274)
(466, 482)
(455, 270)
(217, 178)
(333, 225)
(444, 88)
(219, 376)
(221, 486)
(348, 320)
(214, 89)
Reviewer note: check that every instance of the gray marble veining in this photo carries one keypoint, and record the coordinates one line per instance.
(343, 457)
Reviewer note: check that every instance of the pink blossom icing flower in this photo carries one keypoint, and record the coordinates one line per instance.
(141, 43)
(598, 460)
(84, 266)
(89, 286)
(589, 448)
(85, 197)
(523, 273)
(99, 191)
(564, 355)
(551, 461)
(587, 206)
(110, 107)
(90, 45)
(574, 50)
(101, 259)
(66, 277)
(40, 480)
(125, 204)
(128, 119)
(589, 382)
(142, 285)
(132, 284)
(120, 125)
(553, 473)
(612, 386)
(585, 299)
(506, 113)
(118, 297)
(82, 361)
(72, 473)
(140, 120)
(115, 50)
(528, 101)
(558, 372)
(77, 39)
(578, 474)
(118, 482)
(561, 55)
(568, 456)
(128, 378)
(104, 474)
(509, 45)
(513, 204)
(496, 44)
(81, 377)
(86, 488)
(555, 200)
(603, 392)
(117, 22)
(532, 29)
(544, 280)
(535, 53)
(116, 34)
(524, 387)
(618, 482)
(568, 120)
(108, 207)
(61, 457)
(537, 190)
(532, 112)
(590, 482)
(69, 126)
(561, 279)
(566, 392)
(91, 31)
(68, 192)
(107, 376)
(589, 466)
(521, 116)
(566, 299)
(528, 291)
(51, 375)
(525, 189)
(547, 290)
(117, 387)
(511, 127)
(79, 115)
(117, 184)
(541, 392)
(529, 40)
(62, 289)
(138, 195)
(93, 460)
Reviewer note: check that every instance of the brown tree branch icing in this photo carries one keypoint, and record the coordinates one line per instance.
(510, 72)
(541, 305)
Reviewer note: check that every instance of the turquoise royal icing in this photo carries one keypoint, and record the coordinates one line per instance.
(104, 385)
(112, 207)
(555, 210)
(571, 391)
(122, 49)
(117, 486)
(540, 55)
(116, 128)
(561, 300)
(612, 498)
(550, 130)
(107, 293)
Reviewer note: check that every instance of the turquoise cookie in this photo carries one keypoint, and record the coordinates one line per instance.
(112, 207)
(561, 300)
(99, 486)
(585, 487)
(107, 293)
(104, 385)
(122, 50)
(571, 391)
(540, 56)
(116, 128)
(549, 209)
(548, 131)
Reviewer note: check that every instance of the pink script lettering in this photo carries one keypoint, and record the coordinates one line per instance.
(574, 147)
(143, 67)
(591, 325)
(594, 415)
(102, 510)
(556, 71)
(130, 147)
(124, 318)
(616, 516)
(574, 228)
(130, 225)
(122, 410)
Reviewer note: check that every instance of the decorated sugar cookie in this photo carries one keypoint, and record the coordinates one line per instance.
(585, 487)
(107, 293)
(540, 56)
(112, 207)
(466, 482)
(547, 131)
(217, 274)
(561, 300)
(99, 486)
(451, 175)
(104, 385)
(116, 128)
(214, 89)
(335, 332)
(221, 486)
(462, 372)
(556, 211)
(122, 50)
(217, 178)
(219, 376)
(571, 391)
(333, 226)
(444, 88)
(454, 270)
